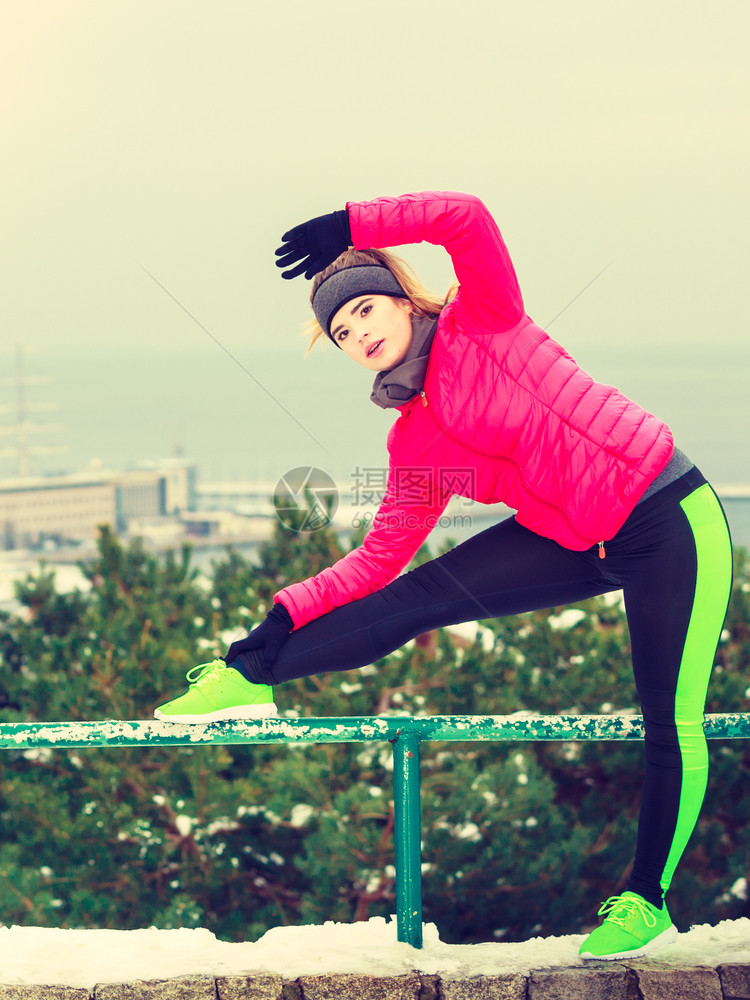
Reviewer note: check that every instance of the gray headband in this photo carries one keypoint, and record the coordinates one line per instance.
(342, 286)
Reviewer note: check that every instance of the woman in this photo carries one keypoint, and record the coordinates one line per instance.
(490, 407)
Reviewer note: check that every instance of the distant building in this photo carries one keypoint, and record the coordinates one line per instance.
(55, 509)
(158, 489)
(61, 510)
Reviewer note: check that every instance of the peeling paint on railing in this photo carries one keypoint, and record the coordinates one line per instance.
(405, 732)
(356, 729)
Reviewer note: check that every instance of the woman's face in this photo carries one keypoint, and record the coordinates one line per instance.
(374, 330)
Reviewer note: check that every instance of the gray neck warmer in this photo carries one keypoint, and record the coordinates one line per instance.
(402, 383)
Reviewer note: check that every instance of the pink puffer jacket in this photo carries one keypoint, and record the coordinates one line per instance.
(506, 415)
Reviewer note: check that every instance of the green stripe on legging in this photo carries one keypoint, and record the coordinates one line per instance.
(713, 583)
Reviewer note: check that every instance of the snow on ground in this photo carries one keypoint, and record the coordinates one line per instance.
(38, 955)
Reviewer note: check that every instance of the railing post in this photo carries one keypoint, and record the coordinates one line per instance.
(408, 838)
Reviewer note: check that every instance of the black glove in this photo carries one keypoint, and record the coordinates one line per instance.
(269, 636)
(316, 244)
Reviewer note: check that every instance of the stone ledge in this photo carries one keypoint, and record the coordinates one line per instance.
(640, 979)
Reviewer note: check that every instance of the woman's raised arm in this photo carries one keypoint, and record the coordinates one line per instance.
(463, 225)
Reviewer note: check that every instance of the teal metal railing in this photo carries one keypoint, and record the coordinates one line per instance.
(405, 733)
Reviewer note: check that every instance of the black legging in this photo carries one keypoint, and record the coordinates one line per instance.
(672, 559)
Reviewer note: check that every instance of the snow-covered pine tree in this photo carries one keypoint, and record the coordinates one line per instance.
(517, 837)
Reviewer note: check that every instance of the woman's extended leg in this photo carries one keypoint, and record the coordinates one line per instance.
(673, 560)
(501, 571)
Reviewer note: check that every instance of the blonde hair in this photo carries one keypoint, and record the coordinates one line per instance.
(424, 302)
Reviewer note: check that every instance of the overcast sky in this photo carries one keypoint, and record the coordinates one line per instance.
(185, 137)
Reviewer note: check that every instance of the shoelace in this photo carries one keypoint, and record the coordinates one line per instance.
(204, 672)
(620, 908)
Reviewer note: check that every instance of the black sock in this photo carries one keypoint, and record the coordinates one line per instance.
(247, 664)
(656, 898)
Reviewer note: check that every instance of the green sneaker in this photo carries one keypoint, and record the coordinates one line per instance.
(218, 692)
(632, 927)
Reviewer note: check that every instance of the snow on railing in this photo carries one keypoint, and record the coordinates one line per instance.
(405, 734)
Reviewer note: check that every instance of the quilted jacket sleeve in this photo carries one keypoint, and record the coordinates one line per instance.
(409, 510)
(463, 225)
